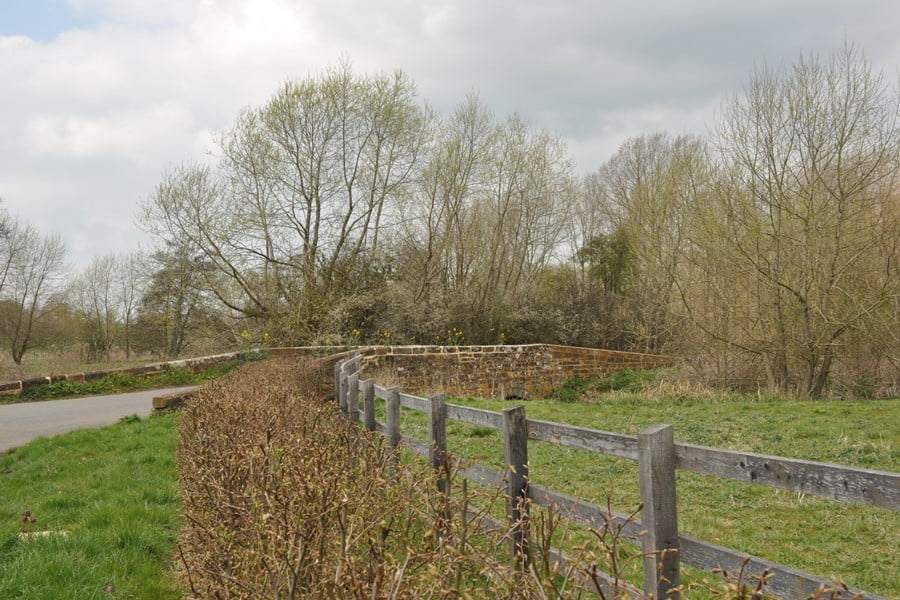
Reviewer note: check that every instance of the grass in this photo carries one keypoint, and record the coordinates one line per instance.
(114, 494)
(116, 383)
(829, 538)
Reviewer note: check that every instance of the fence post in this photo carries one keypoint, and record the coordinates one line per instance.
(369, 403)
(392, 407)
(515, 445)
(353, 397)
(656, 460)
(342, 397)
(437, 441)
(337, 382)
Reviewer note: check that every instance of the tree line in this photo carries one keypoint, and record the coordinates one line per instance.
(346, 211)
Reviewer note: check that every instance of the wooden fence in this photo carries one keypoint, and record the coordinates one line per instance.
(657, 455)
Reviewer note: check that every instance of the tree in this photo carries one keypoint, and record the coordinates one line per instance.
(305, 188)
(32, 261)
(106, 295)
(131, 284)
(798, 248)
(642, 198)
(92, 293)
(488, 215)
(173, 311)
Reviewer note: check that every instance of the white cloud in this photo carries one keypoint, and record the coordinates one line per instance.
(143, 136)
(89, 120)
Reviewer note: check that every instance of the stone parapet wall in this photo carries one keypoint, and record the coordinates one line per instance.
(522, 371)
(194, 364)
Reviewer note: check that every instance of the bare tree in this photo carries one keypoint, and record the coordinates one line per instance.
(640, 202)
(92, 294)
(490, 210)
(799, 248)
(305, 187)
(33, 263)
(131, 281)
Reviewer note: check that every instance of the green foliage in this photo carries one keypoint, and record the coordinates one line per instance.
(112, 496)
(626, 380)
(611, 261)
(572, 390)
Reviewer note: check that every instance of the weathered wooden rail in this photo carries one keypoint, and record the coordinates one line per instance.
(658, 457)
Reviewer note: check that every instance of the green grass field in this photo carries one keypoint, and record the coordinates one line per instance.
(108, 497)
(858, 544)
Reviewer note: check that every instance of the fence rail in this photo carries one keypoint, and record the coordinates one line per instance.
(658, 457)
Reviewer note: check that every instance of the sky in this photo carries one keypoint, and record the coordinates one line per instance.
(99, 97)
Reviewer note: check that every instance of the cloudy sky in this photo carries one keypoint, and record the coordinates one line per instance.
(98, 97)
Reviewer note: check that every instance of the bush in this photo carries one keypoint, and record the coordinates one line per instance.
(626, 380)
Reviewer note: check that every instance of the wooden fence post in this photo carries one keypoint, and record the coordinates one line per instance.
(337, 383)
(369, 403)
(392, 406)
(343, 395)
(437, 441)
(353, 397)
(656, 460)
(515, 445)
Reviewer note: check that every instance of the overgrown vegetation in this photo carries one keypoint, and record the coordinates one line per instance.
(91, 514)
(626, 380)
(124, 382)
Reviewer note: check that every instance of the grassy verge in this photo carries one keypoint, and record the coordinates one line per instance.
(108, 497)
(116, 383)
(856, 543)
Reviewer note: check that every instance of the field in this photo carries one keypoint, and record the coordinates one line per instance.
(108, 497)
(857, 543)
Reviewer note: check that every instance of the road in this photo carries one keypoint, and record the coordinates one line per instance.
(21, 423)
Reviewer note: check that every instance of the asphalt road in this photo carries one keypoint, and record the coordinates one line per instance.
(21, 423)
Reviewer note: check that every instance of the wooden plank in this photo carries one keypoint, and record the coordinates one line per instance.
(353, 397)
(606, 583)
(392, 410)
(417, 446)
(586, 513)
(604, 442)
(414, 402)
(381, 392)
(656, 462)
(475, 416)
(483, 475)
(850, 484)
(352, 365)
(784, 582)
(368, 387)
(515, 446)
(381, 428)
